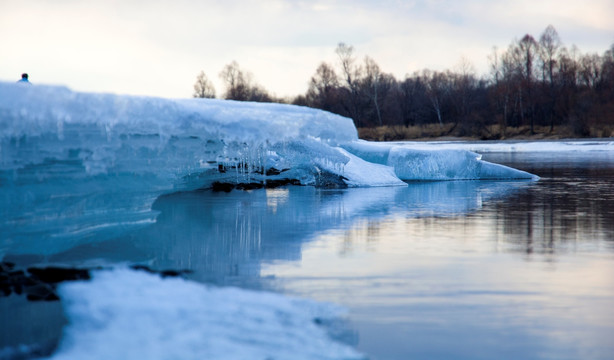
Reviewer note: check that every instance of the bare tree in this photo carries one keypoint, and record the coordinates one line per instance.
(239, 85)
(350, 73)
(372, 84)
(203, 88)
(413, 102)
(607, 74)
(528, 50)
(530, 83)
(323, 88)
(347, 59)
(464, 83)
(495, 62)
(590, 70)
(436, 90)
(499, 89)
(550, 45)
(524, 53)
(236, 81)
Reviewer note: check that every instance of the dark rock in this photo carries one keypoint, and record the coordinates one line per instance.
(170, 273)
(38, 284)
(271, 184)
(162, 273)
(55, 275)
(4, 281)
(18, 289)
(142, 268)
(41, 291)
(16, 274)
(5, 290)
(329, 180)
(249, 186)
(6, 266)
(218, 186)
(272, 171)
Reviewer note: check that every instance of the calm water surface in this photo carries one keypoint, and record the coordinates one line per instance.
(496, 270)
(436, 270)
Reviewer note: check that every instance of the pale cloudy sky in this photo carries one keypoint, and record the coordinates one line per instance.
(157, 47)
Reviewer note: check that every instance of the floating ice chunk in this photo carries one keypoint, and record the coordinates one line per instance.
(363, 173)
(418, 164)
(412, 164)
(127, 314)
(517, 146)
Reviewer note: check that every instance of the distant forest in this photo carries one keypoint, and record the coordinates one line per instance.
(537, 87)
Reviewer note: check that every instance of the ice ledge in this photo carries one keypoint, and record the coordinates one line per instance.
(76, 165)
(411, 164)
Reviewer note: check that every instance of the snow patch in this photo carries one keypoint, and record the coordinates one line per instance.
(127, 314)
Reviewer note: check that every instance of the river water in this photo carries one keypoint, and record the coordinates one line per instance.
(434, 270)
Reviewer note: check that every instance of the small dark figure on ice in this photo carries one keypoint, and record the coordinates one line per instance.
(24, 79)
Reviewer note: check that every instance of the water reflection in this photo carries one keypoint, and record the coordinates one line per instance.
(428, 271)
(452, 284)
(549, 219)
(225, 237)
(570, 209)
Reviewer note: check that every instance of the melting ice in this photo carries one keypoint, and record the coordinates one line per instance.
(76, 164)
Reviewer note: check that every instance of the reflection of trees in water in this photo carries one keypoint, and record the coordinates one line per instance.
(557, 215)
(426, 210)
(367, 230)
(568, 210)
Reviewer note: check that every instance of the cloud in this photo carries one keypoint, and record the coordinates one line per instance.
(158, 47)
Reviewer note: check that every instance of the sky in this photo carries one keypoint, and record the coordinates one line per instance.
(157, 48)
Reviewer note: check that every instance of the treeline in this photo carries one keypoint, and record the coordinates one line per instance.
(534, 84)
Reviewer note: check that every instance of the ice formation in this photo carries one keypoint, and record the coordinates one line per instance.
(433, 164)
(74, 165)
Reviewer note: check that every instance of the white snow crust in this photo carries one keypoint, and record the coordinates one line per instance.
(515, 146)
(128, 314)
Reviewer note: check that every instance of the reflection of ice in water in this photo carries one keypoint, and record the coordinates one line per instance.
(442, 280)
(275, 197)
(226, 237)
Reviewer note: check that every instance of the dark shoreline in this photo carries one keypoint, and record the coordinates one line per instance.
(450, 132)
(40, 283)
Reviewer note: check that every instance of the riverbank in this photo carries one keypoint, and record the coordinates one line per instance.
(451, 132)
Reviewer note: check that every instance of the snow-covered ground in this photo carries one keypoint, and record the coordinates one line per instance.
(128, 314)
